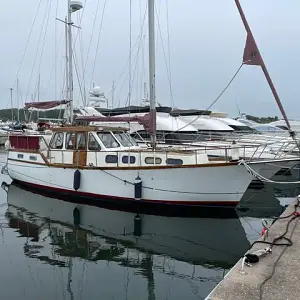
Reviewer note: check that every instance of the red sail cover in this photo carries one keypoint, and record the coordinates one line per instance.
(45, 104)
(24, 142)
(251, 52)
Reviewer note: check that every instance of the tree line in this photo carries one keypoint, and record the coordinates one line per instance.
(262, 119)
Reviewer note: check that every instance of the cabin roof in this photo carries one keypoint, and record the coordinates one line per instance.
(189, 112)
(86, 128)
(131, 110)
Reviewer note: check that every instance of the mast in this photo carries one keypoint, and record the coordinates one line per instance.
(67, 60)
(70, 60)
(38, 94)
(18, 107)
(113, 94)
(11, 103)
(152, 71)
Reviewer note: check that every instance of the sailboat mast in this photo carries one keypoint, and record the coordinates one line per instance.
(18, 107)
(38, 92)
(67, 60)
(151, 27)
(70, 60)
(11, 101)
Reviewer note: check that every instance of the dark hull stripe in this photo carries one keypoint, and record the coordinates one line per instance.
(168, 208)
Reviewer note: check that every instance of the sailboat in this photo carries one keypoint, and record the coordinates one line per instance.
(101, 164)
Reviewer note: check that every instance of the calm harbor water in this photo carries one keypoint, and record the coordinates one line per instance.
(44, 256)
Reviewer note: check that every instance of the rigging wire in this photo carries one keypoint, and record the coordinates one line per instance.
(132, 78)
(169, 53)
(36, 90)
(38, 46)
(138, 99)
(98, 42)
(135, 70)
(211, 105)
(91, 37)
(137, 43)
(54, 67)
(43, 44)
(82, 63)
(27, 42)
(158, 11)
(125, 79)
(77, 75)
(166, 62)
(130, 52)
(123, 71)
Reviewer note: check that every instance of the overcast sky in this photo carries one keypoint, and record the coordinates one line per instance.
(207, 39)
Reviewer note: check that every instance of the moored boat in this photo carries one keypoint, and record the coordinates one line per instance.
(105, 164)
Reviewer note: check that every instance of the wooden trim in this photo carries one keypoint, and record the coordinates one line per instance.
(28, 162)
(71, 166)
(25, 151)
(217, 158)
(87, 128)
(74, 129)
(44, 159)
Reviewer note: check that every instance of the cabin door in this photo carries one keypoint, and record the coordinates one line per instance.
(80, 150)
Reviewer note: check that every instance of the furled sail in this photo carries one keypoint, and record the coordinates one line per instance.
(46, 105)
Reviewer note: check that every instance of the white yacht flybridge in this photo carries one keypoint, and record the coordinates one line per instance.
(97, 98)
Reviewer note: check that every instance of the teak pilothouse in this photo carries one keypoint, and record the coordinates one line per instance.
(101, 164)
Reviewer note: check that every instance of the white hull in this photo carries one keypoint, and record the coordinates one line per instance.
(208, 184)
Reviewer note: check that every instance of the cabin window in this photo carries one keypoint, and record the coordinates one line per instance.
(131, 159)
(111, 159)
(70, 140)
(123, 139)
(93, 144)
(133, 141)
(174, 161)
(57, 141)
(31, 157)
(20, 156)
(80, 141)
(150, 160)
(108, 140)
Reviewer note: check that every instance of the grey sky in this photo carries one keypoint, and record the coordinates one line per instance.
(206, 37)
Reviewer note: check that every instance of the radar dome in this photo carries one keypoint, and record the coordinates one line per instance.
(96, 91)
(76, 5)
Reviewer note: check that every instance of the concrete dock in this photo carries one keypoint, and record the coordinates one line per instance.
(275, 276)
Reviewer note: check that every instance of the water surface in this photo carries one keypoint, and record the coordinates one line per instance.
(43, 255)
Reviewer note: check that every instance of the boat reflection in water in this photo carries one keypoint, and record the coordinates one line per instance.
(161, 255)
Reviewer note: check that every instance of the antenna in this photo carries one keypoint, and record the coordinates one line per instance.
(239, 111)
